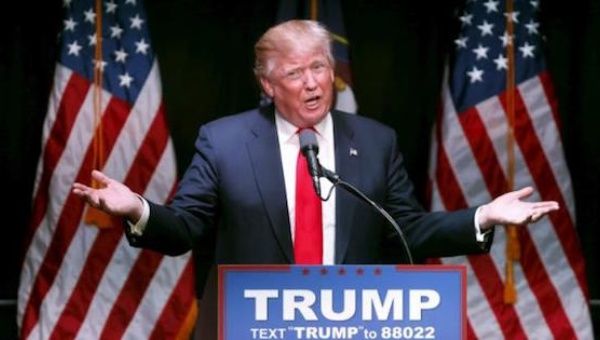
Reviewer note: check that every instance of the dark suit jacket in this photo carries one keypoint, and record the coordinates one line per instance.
(232, 199)
(231, 204)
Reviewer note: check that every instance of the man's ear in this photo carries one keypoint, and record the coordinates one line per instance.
(266, 86)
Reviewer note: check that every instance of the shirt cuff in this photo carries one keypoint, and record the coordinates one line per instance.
(138, 228)
(479, 235)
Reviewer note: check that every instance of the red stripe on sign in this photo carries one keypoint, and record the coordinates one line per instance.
(70, 217)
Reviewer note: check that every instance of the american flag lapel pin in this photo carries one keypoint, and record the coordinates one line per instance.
(353, 152)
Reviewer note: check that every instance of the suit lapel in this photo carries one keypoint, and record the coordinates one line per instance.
(347, 167)
(268, 173)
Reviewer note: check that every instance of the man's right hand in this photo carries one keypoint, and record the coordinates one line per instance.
(111, 197)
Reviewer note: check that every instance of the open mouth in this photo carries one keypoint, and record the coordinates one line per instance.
(312, 102)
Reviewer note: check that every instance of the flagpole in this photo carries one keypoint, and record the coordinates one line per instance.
(512, 240)
(313, 10)
(94, 216)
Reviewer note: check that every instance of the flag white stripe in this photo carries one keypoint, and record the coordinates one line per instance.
(117, 165)
(460, 156)
(60, 185)
(125, 256)
(61, 79)
(543, 235)
(479, 314)
(471, 181)
(546, 130)
(111, 283)
(527, 308)
(170, 269)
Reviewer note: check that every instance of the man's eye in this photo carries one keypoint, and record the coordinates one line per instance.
(295, 74)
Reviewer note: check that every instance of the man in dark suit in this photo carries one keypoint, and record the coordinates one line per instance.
(239, 199)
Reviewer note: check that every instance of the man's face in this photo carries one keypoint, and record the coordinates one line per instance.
(301, 85)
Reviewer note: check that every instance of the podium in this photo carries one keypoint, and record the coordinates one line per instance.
(342, 302)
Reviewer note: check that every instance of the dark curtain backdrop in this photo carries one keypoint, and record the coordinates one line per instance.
(205, 55)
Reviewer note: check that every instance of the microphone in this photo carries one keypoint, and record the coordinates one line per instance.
(310, 150)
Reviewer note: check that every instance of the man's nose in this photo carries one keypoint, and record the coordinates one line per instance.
(310, 81)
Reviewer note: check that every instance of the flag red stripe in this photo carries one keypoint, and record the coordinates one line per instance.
(84, 290)
(173, 315)
(470, 331)
(483, 151)
(567, 231)
(70, 217)
(70, 103)
(543, 176)
(147, 262)
(533, 267)
(482, 265)
(105, 244)
(548, 88)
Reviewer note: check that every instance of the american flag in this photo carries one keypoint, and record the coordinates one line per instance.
(469, 165)
(80, 280)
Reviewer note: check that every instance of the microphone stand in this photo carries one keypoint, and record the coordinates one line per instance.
(338, 182)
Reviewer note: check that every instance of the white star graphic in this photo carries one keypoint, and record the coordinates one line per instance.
(527, 50)
(475, 74)
(116, 31)
(481, 52)
(466, 19)
(141, 46)
(120, 55)
(74, 48)
(535, 4)
(111, 7)
(125, 80)
(532, 27)
(501, 62)
(70, 24)
(512, 16)
(136, 22)
(461, 42)
(486, 28)
(101, 64)
(491, 6)
(506, 39)
(90, 15)
(92, 39)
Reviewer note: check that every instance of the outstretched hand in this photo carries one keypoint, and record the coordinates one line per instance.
(112, 197)
(510, 209)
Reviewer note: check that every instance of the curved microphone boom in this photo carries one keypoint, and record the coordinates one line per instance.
(310, 149)
(338, 182)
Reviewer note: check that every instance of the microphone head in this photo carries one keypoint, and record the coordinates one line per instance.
(308, 140)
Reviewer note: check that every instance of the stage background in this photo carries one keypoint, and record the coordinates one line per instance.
(205, 55)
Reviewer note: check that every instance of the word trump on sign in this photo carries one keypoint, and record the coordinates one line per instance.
(302, 302)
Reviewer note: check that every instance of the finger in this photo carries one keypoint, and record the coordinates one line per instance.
(552, 205)
(523, 193)
(100, 177)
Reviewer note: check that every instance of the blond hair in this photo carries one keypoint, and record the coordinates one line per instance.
(290, 36)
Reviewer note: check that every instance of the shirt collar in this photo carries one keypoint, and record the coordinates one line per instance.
(286, 130)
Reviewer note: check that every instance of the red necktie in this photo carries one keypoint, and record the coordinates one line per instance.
(308, 234)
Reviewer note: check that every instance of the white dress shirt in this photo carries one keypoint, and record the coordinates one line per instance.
(289, 146)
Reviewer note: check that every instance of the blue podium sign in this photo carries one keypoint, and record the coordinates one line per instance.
(342, 302)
